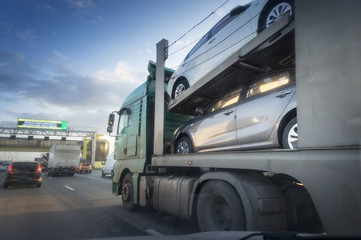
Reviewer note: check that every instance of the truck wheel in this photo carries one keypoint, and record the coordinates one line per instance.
(219, 208)
(179, 87)
(290, 135)
(184, 145)
(274, 12)
(128, 194)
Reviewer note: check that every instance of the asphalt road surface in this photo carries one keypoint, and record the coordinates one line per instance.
(79, 207)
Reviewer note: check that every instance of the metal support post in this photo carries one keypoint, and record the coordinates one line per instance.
(94, 145)
(162, 54)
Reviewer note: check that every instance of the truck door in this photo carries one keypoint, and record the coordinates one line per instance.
(121, 138)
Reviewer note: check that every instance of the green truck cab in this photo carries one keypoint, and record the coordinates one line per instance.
(134, 137)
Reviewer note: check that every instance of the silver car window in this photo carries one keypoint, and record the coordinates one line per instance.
(201, 42)
(267, 84)
(229, 99)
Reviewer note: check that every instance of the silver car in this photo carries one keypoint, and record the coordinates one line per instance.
(232, 32)
(261, 113)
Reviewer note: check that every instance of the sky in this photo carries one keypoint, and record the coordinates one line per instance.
(77, 60)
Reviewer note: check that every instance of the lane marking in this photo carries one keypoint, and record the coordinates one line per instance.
(153, 232)
(72, 189)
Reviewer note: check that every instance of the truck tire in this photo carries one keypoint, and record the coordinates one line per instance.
(219, 208)
(273, 12)
(128, 194)
(290, 135)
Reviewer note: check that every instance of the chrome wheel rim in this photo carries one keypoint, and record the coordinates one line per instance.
(180, 88)
(183, 147)
(292, 136)
(277, 12)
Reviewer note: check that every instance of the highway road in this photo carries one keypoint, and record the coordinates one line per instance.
(79, 207)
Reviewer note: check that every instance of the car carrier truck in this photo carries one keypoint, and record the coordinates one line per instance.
(63, 159)
(314, 188)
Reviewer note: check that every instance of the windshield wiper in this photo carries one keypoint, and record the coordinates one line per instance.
(273, 235)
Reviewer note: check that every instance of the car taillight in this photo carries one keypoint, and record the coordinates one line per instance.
(38, 170)
(10, 169)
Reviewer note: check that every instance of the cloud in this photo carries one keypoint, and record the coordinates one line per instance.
(81, 4)
(27, 35)
(84, 9)
(60, 93)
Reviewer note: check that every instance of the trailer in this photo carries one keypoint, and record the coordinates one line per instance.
(314, 188)
(63, 159)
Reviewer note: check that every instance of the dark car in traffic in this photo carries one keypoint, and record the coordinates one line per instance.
(4, 166)
(23, 173)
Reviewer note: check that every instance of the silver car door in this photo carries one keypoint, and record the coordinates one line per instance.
(264, 102)
(196, 63)
(229, 35)
(217, 128)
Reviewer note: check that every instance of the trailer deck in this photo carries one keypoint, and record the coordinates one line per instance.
(271, 49)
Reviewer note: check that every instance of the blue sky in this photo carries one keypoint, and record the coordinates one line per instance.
(76, 60)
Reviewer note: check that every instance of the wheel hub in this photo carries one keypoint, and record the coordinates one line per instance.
(183, 148)
(180, 88)
(222, 214)
(277, 12)
(292, 136)
(126, 192)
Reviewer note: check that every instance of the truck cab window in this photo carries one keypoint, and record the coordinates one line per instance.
(123, 123)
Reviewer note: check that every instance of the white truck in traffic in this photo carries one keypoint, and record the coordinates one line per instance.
(63, 159)
(314, 188)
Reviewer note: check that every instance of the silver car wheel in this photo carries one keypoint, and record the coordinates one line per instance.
(183, 147)
(292, 136)
(277, 11)
(180, 88)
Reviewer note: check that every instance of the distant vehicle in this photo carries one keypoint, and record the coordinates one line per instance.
(84, 168)
(259, 114)
(232, 32)
(43, 163)
(63, 159)
(108, 165)
(4, 166)
(21, 173)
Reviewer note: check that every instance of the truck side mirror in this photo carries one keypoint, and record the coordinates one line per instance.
(110, 129)
(111, 120)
